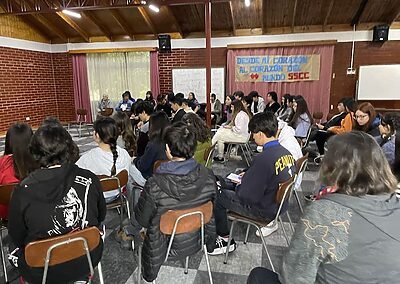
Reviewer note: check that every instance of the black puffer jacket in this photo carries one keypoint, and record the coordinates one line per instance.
(175, 185)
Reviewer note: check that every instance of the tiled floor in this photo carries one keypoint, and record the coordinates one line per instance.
(119, 266)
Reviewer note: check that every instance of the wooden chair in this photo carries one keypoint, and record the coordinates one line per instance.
(61, 249)
(282, 195)
(183, 221)
(117, 183)
(317, 116)
(208, 156)
(5, 197)
(301, 166)
(107, 111)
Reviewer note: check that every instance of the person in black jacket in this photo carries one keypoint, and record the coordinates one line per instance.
(272, 102)
(54, 200)
(254, 196)
(143, 110)
(180, 183)
(176, 104)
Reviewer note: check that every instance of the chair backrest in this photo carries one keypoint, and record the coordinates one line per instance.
(6, 192)
(283, 193)
(69, 248)
(114, 182)
(208, 155)
(81, 111)
(187, 224)
(107, 111)
(318, 115)
(301, 164)
(305, 144)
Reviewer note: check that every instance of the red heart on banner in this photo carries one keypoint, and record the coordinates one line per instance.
(254, 76)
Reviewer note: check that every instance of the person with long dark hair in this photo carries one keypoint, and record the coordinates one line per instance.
(272, 102)
(302, 119)
(56, 199)
(236, 131)
(389, 139)
(285, 111)
(257, 104)
(163, 105)
(126, 138)
(17, 161)
(108, 158)
(366, 119)
(351, 234)
(193, 103)
(202, 133)
(227, 109)
(149, 98)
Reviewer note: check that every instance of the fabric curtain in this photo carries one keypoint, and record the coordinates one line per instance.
(316, 93)
(154, 74)
(81, 86)
(114, 73)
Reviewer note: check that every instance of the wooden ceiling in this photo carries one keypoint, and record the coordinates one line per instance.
(115, 20)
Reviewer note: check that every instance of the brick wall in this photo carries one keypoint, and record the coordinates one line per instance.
(29, 86)
(186, 58)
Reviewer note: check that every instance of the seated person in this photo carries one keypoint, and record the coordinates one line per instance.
(177, 184)
(351, 234)
(54, 200)
(143, 110)
(255, 196)
(17, 161)
(302, 119)
(126, 104)
(186, 107)
(177, 107)
(203, 136)
(272, 104)
(108, 158)
(216, 109)
(126, 138)
(257, 105)
(366, 119)
(285, 112)
(287, 139)
(142, 167)
(103, 104)
(163, 105)
(236, 131)
(192, 101)
(150, 99)
(389, 140)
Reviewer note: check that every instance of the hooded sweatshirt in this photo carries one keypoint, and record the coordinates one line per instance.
(174, 186)
(346, 239)
(52, 202)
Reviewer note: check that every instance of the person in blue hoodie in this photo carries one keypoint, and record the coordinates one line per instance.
(179, 183)
(255, 195)
(350, 235)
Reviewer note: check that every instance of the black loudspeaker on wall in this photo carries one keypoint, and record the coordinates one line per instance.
(381, 33)
(164, 43)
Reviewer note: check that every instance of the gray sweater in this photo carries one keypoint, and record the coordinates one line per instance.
(346, 239)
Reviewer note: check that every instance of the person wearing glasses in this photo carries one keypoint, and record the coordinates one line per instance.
(367, 120)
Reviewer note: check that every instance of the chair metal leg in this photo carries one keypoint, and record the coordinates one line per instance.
(296, 195)
(247, 234)
(284, 231)
(100, 271)
(229, 241)
(139, 268)
(290, 221)
(208, 264)
(128, 208)
(266, 249)
(244, 154)
(186, 265)
(228, 152)
(3, 261)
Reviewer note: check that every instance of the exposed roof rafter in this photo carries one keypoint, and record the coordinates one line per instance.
(75, 26)
(122, 23)
(98, 23)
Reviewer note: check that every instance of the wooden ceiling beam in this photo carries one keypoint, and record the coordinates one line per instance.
(122, 23)
(175, 21)
(395, 15)
(294, 14)
(75, 26)
(99, 24)
(233, 18)
(360, 11)
(328, 13)
(148, 21)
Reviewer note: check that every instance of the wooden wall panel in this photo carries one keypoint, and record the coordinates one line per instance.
(366, 53)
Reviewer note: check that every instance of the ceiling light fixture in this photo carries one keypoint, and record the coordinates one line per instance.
(247, 3)
(154, 8)
(72, 14)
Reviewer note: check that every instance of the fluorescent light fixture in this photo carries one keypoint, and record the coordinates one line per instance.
(143, 2)
(154, 8)
(247, 3)
(72, 14)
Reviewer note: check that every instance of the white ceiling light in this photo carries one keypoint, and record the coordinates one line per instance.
(247, 3)
(72, 14)
(154, 8)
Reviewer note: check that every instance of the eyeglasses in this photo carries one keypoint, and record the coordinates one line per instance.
(361, 116)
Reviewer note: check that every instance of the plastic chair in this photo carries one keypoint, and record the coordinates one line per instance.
(61, 249)
(175, 222)
(113, 183)
(282, 195)
(5, 197)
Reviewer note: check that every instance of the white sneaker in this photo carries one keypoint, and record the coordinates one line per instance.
(268, 230)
